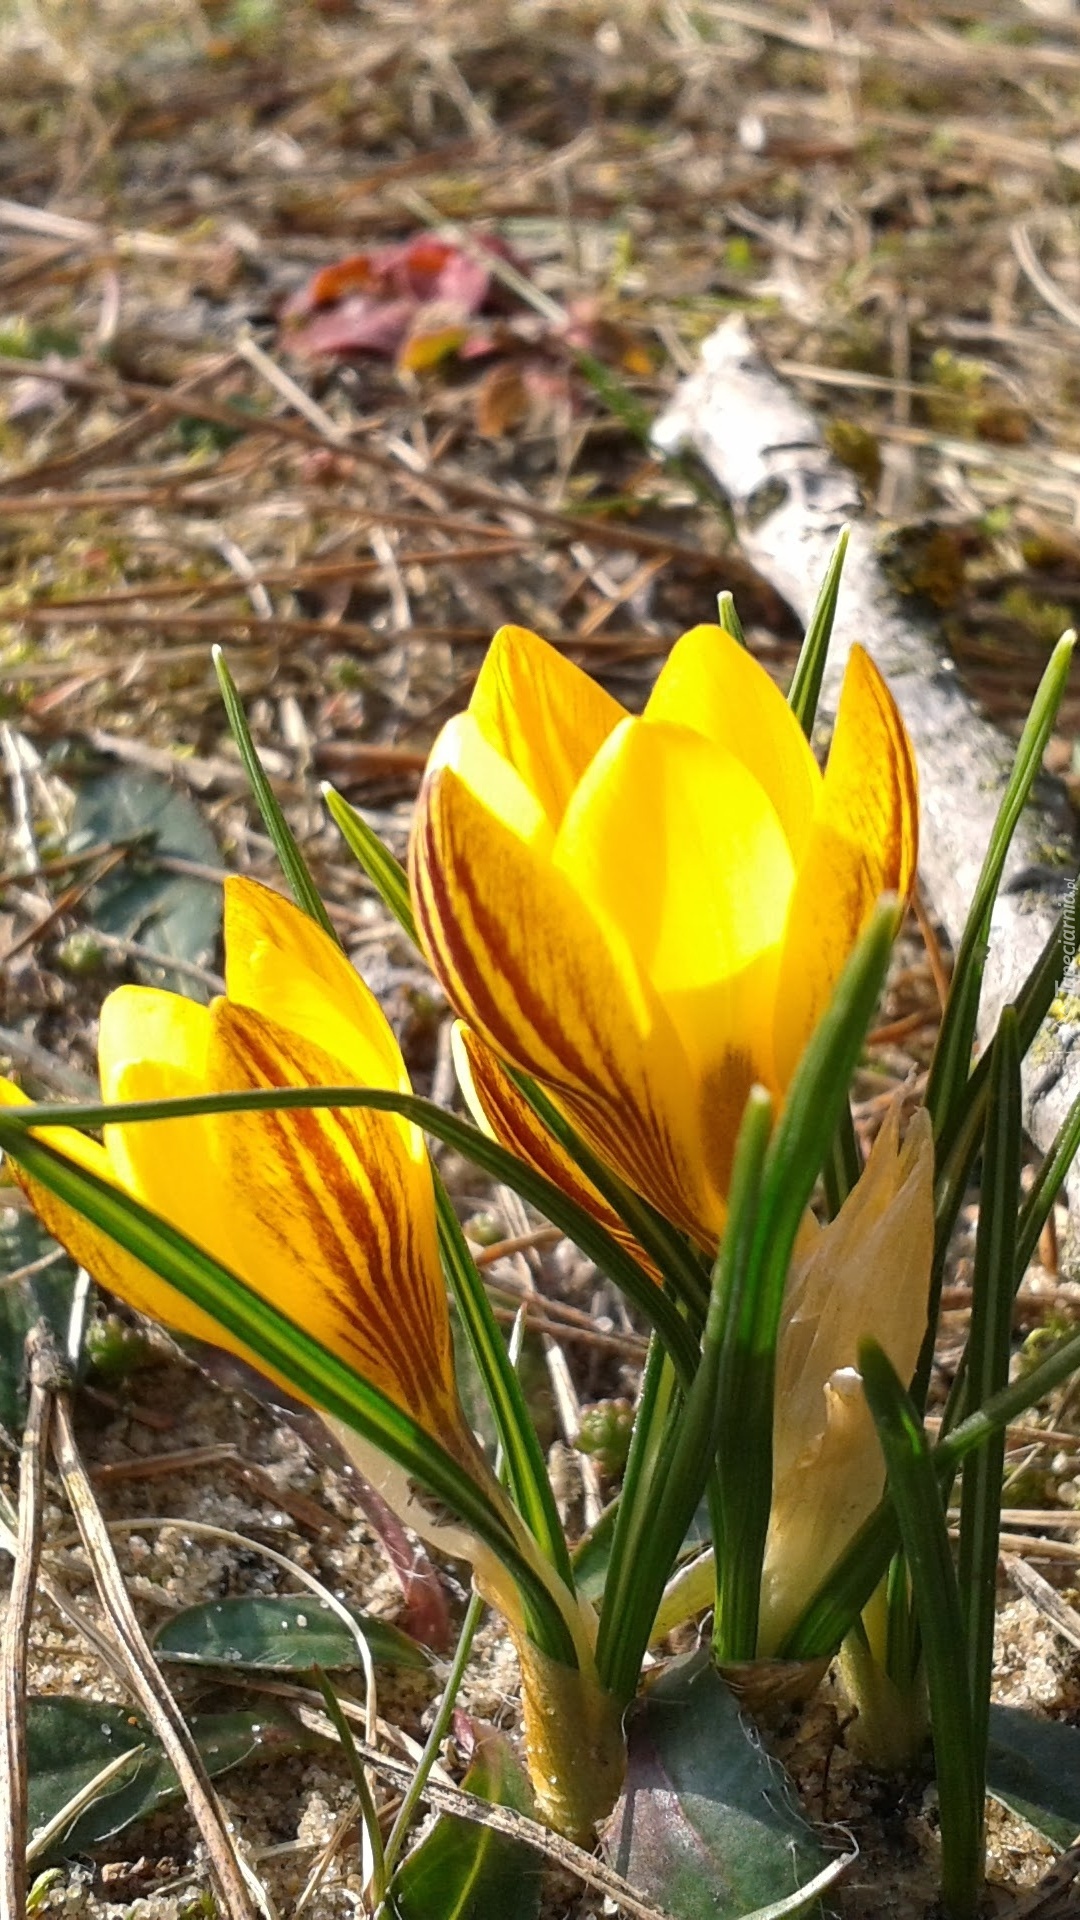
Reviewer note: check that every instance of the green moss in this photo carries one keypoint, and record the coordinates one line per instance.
(1046, 620)
(1041, 1341)
(20, 339)
(857, 448)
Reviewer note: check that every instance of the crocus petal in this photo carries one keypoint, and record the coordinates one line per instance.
(107, 1262)
(864, 843)
(153, 1045)
(280, 963)
(867, 1272)
(672, 843)
(543, 715)
(520, 957)
(334, 1217)
(465, 751)
(712, 685)
(498, 1107)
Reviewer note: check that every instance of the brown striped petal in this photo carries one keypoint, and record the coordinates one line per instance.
(498, 1107)
(278, 961)
(332, 1217)
(521, 959)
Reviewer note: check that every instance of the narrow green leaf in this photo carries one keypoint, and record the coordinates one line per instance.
(799, 1145)
(951, 1066)
(387, 875)
(958, 1147)
(281, 1633)
(844, 1165)
(526, 1471)
(988, 1354)
(660, 1404)
(548, 1199)
(916, 1495)
(293, 865)
(365, 1799)
(1045, 1188)
(1017, 1398)
(903, 1647)
(288, 1350)
(440, 1726)
(737, 1491)
(699, 1436)
(727, 616)
(805, 689)
(640, 1550)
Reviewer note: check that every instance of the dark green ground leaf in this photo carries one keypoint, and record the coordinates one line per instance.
(46, 1295)
(70, 1741)
(288, 1634)
(1033, 1766)
(707, 1825)
(463, 1871)
(173, 913)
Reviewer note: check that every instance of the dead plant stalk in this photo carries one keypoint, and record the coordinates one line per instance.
(145, 1678)
(16, 1633)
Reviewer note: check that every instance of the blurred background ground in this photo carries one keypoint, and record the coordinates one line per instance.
(200, 442)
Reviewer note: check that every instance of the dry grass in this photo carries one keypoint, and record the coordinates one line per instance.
(889, 195)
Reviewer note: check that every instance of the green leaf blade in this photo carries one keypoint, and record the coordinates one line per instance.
(916, 1496)
(293, 865)
(805, 689)
(988, 1355)
(948, 1091)
(386, 874)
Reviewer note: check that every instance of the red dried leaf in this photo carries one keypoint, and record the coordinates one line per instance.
(374, 302)
(427, 1611)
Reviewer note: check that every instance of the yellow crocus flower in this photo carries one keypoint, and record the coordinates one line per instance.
(649, 914)
(330, 1216)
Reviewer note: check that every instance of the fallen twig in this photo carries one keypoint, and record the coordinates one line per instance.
(16, 1630)
(146, 1679)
